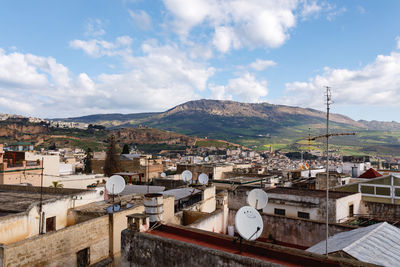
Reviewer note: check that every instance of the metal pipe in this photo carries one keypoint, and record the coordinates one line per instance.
(328, 99)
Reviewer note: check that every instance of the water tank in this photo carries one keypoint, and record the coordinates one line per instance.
(153, 206)
(354, 172)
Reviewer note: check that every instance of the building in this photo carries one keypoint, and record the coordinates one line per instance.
(376, 244)
(15, 169)
(335, 179)
(311, 204)
(214, 171)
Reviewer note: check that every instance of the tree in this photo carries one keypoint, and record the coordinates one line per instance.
(56, 184)
(87, 161)
(125, 149)
(111, 164)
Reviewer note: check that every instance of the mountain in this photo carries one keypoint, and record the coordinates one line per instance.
(260, 125)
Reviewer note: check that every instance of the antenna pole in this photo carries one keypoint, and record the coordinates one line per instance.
(328, 102)
(41, 201)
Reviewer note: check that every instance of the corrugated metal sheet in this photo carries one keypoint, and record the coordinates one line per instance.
(378, 244)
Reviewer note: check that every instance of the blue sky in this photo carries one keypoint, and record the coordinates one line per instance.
(72, 58)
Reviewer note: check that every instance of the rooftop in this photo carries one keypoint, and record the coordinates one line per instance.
(377, 244)
(18, 198)
(308, 192)
(261, 251)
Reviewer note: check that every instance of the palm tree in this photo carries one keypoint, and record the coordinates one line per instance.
(56, 184)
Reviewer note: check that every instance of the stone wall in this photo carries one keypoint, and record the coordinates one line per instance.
(59, 248)
(296, 231)
(141, 249)
(384, 211)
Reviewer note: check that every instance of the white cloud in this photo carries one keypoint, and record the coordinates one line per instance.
(239, 23)
(310, 8)
(141, 18)
(361, 9)
(98, 48)
(94, 28)
(375, 84)
(260, 64)
(398, 42)
(163, 77)
(245, 88)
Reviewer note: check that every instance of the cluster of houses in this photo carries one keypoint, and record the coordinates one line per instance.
(161, 219)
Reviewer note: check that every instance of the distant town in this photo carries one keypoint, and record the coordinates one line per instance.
(188, 202)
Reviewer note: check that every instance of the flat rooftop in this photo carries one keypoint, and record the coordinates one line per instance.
(308, 192)
(240, 180)
(18, 198)
(266, 252)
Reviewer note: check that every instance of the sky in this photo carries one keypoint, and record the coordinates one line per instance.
(73, 58)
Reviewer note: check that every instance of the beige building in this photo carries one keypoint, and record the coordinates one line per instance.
(15, 169)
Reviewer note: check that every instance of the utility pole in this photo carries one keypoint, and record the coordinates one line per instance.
(328, 103)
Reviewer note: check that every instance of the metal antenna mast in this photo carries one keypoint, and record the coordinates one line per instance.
(328, 103)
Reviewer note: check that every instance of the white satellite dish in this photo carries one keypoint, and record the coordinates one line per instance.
(163, 175)
(257, 198)
(203, 178)
(206, 159)
(339, 170)
(115, 184)
(186, 175)
(248, 223)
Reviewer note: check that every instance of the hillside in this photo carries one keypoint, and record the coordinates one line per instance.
(44, 136)
(260, 126)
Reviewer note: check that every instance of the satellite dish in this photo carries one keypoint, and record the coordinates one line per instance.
(339, 170)
(115, 184)
(248, 223)
(163, 174)
(257, 198)
(203, 178)
(186, 175)
(206, 159)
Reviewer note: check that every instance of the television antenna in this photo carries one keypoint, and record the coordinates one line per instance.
(203, 179)
(186, 175)
(257, 199)
(206, 159)
(163, 175)
(248, 223)
(339, 170)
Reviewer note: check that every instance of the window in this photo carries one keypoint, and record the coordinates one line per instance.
(83, 257)
(50, 224)
(351, 210)
(343, 182)
(280, 212)
(304, 215)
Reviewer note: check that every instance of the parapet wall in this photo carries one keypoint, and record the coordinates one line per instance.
(300, 232)
(141, 249)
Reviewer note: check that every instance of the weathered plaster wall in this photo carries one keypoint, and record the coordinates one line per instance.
(59, 248)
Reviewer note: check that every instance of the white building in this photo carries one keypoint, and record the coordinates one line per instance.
(311, 204)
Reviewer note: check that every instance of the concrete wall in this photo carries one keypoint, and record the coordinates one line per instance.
(300, 232)
(118, 223)
(59, 248)
(212, 222)
(51, 165)
(16, 227)
(343, 207)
